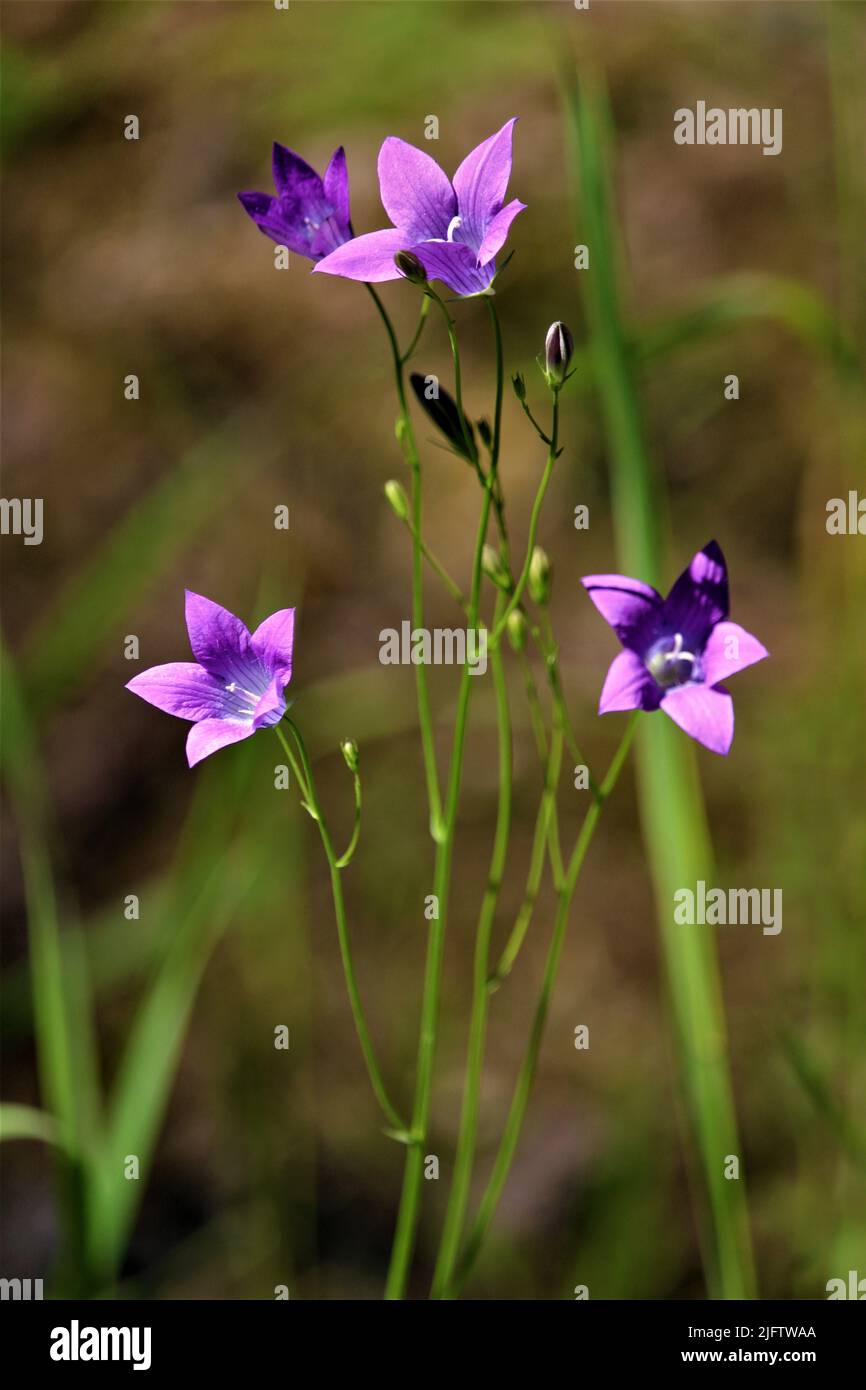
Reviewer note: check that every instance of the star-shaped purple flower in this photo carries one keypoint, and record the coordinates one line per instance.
(309, 215)
(235, 685)
(678, 650)
(454, 227)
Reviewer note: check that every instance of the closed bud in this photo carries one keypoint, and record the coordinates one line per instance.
(558, 352)
(519, 386)
(349, 750)
(397, 497)
(485, 432)
(494, 569)
(410, 267)
(540, 576)
(517, 629)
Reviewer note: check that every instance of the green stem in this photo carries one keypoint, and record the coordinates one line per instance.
(465, 1156)
(517, 1112)
(410, 1197)
(346, 857)
(533, 524)
(536, 863)
(312, 801)
(425, 719)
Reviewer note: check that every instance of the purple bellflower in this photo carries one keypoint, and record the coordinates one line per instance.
(236, 683)
(453, 227)
(309, 215)
(678, 650)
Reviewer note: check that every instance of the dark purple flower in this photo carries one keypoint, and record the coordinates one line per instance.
(235, 685)
(453, 227)
(309, 215)
(678, 649)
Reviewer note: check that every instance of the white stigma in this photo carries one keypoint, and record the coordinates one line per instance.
(452, 227)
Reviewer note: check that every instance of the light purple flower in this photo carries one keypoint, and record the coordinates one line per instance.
(309, 215)
(235, 685)
(454, 227)
(678, 650)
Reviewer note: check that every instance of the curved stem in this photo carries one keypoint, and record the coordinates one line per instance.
(379, 1089)
(346, 857)
(425, 720)
(520, 1100)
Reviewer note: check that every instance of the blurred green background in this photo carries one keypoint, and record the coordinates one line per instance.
(261, 387)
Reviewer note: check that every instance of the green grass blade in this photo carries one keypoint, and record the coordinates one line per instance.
(672, 811)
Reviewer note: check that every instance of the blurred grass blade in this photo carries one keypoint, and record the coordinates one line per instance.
(672, 811)
(208, 889)
(813, 1081)
(63, 1022)
(25, 1122)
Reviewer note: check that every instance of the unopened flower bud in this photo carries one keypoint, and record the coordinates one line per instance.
(517, 629)
(494, 569)
(519, 386)
(485, 432)
(539, 577)
(558, 352)
(410, 267)
(396, 495)
(349, 750)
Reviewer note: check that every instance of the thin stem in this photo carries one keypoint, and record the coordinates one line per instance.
(533, 523)
(346, 857)
(458, 1197)
(425, 720)
(422, 319)
(409, 1210)
(514, 1123)
(375, 1075)
(536, 863)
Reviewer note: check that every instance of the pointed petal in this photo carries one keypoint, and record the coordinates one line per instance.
(272, 643)
(220, 642)
(628, 685)
(336, 185)
(266, 213)
(211, 734)
(369, 257)
(272, 705)
(631, 608)
(181, 688)
(415, 192)
(729, 649)
(705, 714)
(455, 264)
(497, 231)
(481, 181)
(699, 599)
(293, 176)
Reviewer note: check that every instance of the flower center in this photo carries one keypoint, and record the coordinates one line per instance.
(668, 664)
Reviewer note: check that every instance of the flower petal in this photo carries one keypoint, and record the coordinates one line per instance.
(628, 685)
(415, 192)
(705, 714)
(294, 177)
(631, 608)
(272, 643)
(272, 705)
(336, 185)
(497, 231)
(454, 263)
(181, 688)
(211, 734)
(481, 181)
(699, 599)
(369, 257)
(729, 649)
(221, 643)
